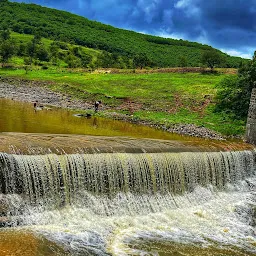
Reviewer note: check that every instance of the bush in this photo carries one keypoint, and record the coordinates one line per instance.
(44, 67)
(234, 95)
(208, 72)
(227, 94)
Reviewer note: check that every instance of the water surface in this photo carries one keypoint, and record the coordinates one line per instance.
(25, 243)
(23, 117)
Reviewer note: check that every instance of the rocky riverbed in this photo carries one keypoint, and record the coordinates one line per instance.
(35, 91)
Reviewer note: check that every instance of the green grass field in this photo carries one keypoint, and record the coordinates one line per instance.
(163, 98)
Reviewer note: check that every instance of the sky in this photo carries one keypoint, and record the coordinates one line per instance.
(229, 25)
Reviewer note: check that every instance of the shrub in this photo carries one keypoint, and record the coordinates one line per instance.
(44, 67)
(234, 95)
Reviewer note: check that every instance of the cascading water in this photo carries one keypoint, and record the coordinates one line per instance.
(100, 204)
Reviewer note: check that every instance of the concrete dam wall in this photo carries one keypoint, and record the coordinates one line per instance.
(251, 120)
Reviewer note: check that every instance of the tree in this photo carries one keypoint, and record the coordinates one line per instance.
(235, 92)
(86, 59)
(212, 58)
(82, 55)
(54, 52)
(33, 48)
(5, 34)
(7, 46)
(21, 50)
(72, 61)
(141, 60)
(7, 50)
(183, 62)
(26, 64)
(105, 60)
(42, 53)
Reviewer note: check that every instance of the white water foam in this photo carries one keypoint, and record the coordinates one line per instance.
(215, 206)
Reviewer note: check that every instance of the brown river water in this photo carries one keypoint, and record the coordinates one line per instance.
(22, 124)
(23, 117)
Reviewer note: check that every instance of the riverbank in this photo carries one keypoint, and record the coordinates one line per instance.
(32, 91)
(37, 91)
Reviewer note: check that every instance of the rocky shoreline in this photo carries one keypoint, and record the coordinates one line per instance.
(31, 91)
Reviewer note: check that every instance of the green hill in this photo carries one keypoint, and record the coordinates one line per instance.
(63, 49)
(66, 27)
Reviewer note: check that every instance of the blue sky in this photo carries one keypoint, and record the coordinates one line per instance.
(229, 25)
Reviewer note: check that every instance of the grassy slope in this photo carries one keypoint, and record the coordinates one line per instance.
(23, 38)
(54, 24)
(165, 98)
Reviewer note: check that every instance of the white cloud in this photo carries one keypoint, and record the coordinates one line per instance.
(150, 8)
(203, 38)
(182, 4)
(189, 7)
(247, 54)
(163, 33)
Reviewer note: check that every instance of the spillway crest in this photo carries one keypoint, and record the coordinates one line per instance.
(58, 180)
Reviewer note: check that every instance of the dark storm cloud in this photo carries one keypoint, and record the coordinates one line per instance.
(226, 24)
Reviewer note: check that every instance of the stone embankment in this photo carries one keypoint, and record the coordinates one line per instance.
(251, 120)
(183, 129)
(193, 130)
(31, 91)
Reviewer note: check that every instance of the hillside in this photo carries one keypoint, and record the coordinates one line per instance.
(63, 26)
(64, 49)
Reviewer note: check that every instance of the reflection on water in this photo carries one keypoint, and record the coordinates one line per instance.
(22, 117)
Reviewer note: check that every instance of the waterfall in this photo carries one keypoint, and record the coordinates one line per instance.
(120, 179)
(109, 203)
